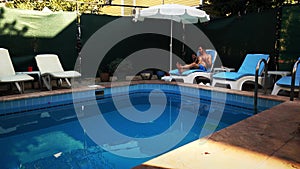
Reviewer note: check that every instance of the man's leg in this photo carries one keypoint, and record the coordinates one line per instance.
(181, 68)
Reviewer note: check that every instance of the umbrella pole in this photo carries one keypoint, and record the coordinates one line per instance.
(78, 36)
(183, 40)
(171, 43)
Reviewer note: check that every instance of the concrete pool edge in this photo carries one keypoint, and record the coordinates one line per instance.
(42, 99)
(103, 85)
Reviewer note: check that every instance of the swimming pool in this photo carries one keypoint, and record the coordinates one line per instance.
(49, 133)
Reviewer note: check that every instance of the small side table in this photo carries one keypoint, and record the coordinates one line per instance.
(274, 75)
(279, 73)
(36, 73)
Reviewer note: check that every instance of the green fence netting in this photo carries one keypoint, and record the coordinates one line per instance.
(30, 23)
(26, 33)
(233, 37)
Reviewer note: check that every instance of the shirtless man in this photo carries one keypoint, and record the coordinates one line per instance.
(203, 62)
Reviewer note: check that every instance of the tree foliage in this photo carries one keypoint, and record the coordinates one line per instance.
(223, 8)
(83, 6)
(217, 8)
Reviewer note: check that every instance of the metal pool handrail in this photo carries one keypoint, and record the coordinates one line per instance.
(293, 80)
(256, 81)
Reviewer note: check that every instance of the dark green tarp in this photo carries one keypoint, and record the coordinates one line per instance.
(289, 37)
(233, 37)
(26, 33)
(30, 23)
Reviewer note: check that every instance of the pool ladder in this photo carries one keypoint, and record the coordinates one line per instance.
(256, 81)
(265, 78)
(293, 81)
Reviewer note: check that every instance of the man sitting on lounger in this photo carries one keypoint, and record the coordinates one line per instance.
(203, 62)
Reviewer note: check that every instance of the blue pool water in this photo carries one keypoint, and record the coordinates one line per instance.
(53, 137)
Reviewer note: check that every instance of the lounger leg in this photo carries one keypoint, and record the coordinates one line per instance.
(20, 87)
(47, 82)
(68, 82)
(275, 90)
(213, 83)
(59, 82)
(40, 81)
(238, 86)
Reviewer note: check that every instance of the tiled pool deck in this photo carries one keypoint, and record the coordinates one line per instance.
(270, 139)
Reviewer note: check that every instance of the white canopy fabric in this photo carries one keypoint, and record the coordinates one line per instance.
(173, 12)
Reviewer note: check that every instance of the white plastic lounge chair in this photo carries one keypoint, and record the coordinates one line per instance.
(190, 75)
(51, 68)
(285, 83)
(246, 73)
(8, 74)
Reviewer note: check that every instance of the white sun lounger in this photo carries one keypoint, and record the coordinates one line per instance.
(51, 68)
(190, 75)
(246, 73)
(8, 74)
(285, 82)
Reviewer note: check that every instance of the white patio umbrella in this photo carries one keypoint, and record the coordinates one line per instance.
(173, 12)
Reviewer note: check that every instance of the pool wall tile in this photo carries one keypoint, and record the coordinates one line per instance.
(2, 106)
(230, 97)
(48, 101)
(239, 98)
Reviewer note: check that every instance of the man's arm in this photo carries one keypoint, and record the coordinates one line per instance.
(210, 61)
